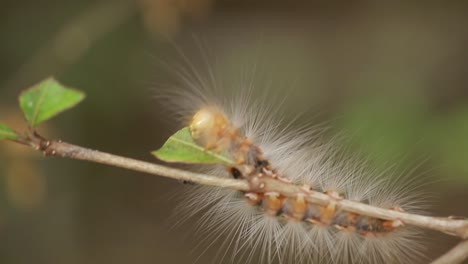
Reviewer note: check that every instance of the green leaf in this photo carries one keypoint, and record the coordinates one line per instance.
(47, 99)
(180, 147)
(7, 133)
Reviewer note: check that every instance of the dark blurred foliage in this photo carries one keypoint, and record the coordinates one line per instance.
(393, 76)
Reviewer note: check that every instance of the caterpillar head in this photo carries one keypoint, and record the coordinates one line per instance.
(208, 126)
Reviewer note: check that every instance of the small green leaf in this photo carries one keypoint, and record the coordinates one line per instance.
(7, 133)
(180, 147)
(47, 99)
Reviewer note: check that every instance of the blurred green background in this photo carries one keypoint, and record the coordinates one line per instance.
(392, 75)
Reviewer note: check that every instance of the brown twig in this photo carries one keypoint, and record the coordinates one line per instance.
(456, 227)
(65, 150)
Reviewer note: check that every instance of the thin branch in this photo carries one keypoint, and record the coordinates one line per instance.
(456, 227)
(65, 150)
(454, 256)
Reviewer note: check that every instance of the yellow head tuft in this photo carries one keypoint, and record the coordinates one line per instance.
(208, 127)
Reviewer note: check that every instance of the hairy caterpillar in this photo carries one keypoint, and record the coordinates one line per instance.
(265, 227)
